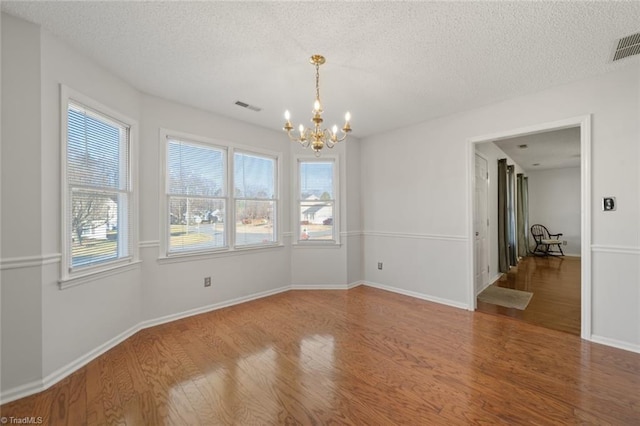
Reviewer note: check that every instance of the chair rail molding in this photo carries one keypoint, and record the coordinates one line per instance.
(603, 248)
(149, 244)
(29, 261)
(459, 238)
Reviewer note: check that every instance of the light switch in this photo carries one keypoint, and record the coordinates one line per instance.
(608, 204)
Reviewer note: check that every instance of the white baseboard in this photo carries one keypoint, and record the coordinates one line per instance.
(62, 372)
(59, 374)
(354, 284)
(615, 343)
(326, 286)
(208, 308)
(490, 282)
(22, 391)
(319, 287)
(422, 296)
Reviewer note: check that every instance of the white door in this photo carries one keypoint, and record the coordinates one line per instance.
(481, 223)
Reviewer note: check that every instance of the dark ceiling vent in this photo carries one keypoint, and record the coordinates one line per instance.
(627, 46)
(247, 106)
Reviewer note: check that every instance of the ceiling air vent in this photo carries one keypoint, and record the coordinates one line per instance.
(247, 106)
(627, 46)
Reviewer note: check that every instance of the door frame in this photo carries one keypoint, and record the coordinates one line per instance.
(584, 123)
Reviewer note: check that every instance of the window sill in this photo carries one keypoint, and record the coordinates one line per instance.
(96, 274)
(316, 245)
(202, 255)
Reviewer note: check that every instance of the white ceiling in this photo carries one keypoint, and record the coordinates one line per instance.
(550, 150)
(389, 63)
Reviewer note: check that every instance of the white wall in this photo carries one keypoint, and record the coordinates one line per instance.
(352, 235)
(173, 286)
(45, 329)
(554, 201)
(77, 320)
(0, 201)
(414, 211)
(406, 172)
(21, 204)
(412, 190)
(46, 332)
(332, 266)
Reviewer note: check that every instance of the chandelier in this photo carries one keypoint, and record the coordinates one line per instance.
(316, 136)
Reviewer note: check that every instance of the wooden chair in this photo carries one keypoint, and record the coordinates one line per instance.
(546, 244)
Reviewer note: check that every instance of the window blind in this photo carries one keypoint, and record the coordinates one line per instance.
(98, 187)
(255, 194)
(196, 192)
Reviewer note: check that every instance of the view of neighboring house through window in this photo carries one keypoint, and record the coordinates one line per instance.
(316, 200)
(255, 194)
(196, 192)
(98, 193)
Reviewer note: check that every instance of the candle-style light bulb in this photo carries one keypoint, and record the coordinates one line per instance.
(334, 129)
(316, 106)
(301, 128)
(347, 116)
(287, 115)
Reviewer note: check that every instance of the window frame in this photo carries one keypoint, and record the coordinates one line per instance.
(335, 241)
(167, 195)
(230, 199)
(276, 197)
(69, 275)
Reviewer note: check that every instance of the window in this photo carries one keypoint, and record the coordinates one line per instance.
(219, 198)
(316, 200)
(254, 179)
(196, 193)
(98, 190)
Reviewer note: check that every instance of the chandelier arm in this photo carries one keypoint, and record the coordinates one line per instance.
(328, 138)
(291, 137)
(305, 139)
(343, 137)
(304, 142)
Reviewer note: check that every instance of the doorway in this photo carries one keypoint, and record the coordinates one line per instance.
(583, 123)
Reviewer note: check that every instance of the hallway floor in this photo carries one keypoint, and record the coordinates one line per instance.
(555, 284)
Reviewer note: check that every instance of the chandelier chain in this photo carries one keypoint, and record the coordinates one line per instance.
(317, 81)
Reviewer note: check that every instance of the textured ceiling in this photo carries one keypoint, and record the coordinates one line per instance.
(389, 63)
(550, 150)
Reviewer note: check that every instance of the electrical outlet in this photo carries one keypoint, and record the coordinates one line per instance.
(207, 281)
(564, 242)
(380, 265)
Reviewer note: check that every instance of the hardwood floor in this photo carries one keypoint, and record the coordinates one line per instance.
(555, 284)
(363, 356)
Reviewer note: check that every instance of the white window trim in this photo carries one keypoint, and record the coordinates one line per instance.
(89, 273)
(164, 255)
(295, 196)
